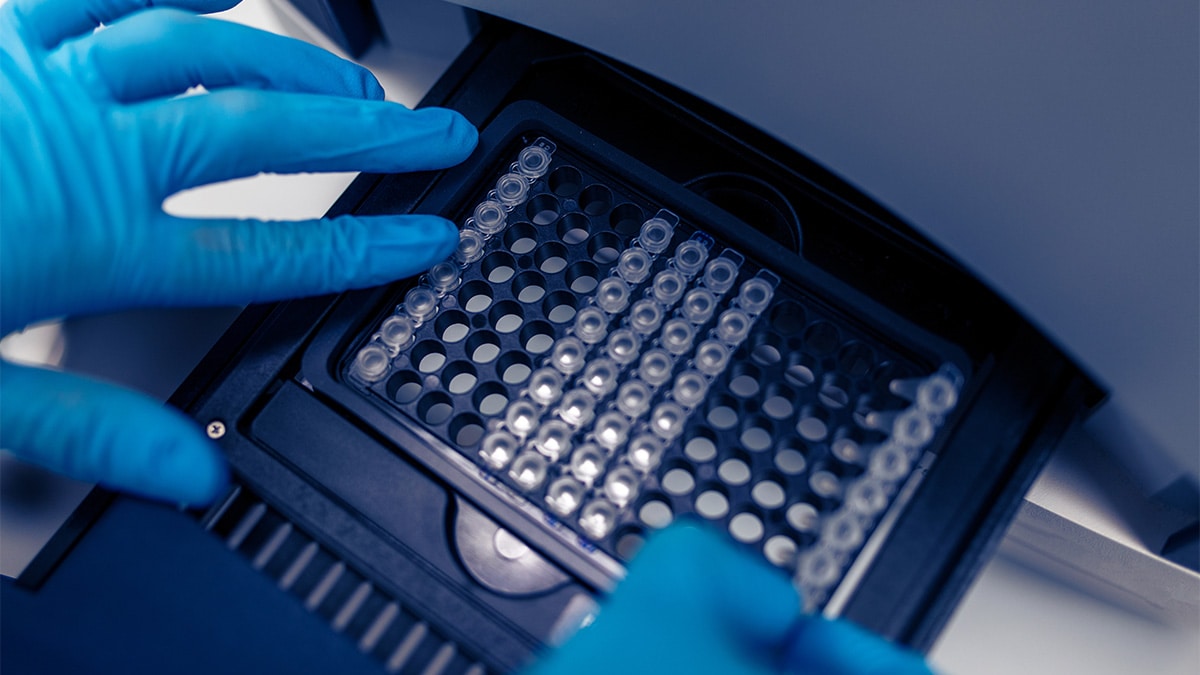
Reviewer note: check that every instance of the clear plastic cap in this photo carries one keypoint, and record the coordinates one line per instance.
(587, 463)
(553, 439)
(443, 277)
(690, 257)
(699, 305)
(889, 463)
(667, 420)
(545, 385)
(534, 161)
(818, 569)
(569, 355)
(867, 496)
(677, 336)
(937, 394)
(591, 325)
(733, 326)
(712, 357)
(755, 295)
(621, 485)
(470, 246)
(690, 388)
(656, 366)
(397, 331)
(623, 345)
(577, 407)
(612, 295)
(842, 532)
(600, 376)
(498, 449)
(564, 495)
(634, 265)
(669, 287)
(528, 470)
(521, 417)
(645, 452)
(720, 275)
(611, 430)
(598, 518)
(511, 189)
(633, 398)
(645, 316)
(912, 429)
(371, 363)
(489, 216)
(420, 303)
(655, 234)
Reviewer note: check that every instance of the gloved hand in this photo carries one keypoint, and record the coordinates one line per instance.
(694, 603)
(94, 137)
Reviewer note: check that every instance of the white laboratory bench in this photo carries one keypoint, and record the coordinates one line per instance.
(1023, 614)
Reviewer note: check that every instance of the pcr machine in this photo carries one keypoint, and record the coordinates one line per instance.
(678, 293)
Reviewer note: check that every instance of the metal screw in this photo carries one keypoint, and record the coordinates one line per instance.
(216, 429)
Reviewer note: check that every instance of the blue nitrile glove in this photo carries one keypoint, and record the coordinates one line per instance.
(93, 138)
(695, 603)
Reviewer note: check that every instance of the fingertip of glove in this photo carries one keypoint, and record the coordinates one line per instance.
(405, 245)
(460, 136)
(194, 474)
(371, 89)
(448, 237)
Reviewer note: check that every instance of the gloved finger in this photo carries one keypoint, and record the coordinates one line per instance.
(822, 647)
(234, 133)
(756, 602)
(97, 432)
(163, 52)
(206, 262)
(693, 601)
(53, 21)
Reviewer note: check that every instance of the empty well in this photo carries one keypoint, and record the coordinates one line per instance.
(822, 338)
(559, 306)
(744, 380)
(435, 408)
(429, 356)
(514, 367)
(595, 199)
(466, 430)
(712, 503)
(604, 247)
(537, 337)
(404, 387)
(565, 181)
(452, 325)
(722, 412)
(520, 238)
(498, 267)
(701, 448)
(529, 287)
(582, 277)
(483, 346)
(542, 210)
(506, 316)
(626, 219)
(574, 228)
(490, 399)
(459, 377)
(475, 296)
(551, 257)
